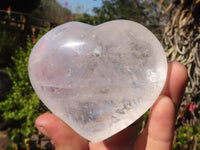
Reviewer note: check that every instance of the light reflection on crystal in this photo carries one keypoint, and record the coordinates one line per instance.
(73, 44)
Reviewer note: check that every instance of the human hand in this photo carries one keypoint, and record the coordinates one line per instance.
(157, 135)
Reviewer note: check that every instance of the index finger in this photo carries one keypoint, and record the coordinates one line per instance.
(176, 82)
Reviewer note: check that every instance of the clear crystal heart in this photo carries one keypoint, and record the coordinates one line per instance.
(98, 79)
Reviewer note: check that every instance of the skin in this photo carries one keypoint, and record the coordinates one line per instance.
(157, 135)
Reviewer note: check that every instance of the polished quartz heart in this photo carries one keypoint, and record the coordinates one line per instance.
(98, 79)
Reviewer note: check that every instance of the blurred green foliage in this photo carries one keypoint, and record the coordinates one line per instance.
(136, 10)
(187, 137)
(145, 12)
(22, 105)
(51, 11)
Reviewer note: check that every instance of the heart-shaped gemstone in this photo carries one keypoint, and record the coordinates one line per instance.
(98, 79)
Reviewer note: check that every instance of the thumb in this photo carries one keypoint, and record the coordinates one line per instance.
(61, 135)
